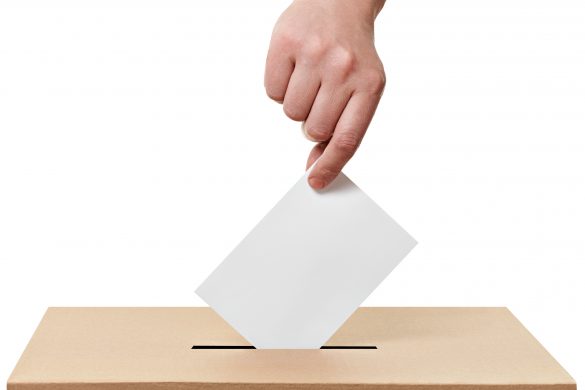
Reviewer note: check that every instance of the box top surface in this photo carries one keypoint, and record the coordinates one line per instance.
(415, 346)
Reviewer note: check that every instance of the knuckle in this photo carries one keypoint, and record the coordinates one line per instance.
(347, 143)
(283, 39)
(313, 51)
(272, 94)
(318, 133)
(293, 111)
(342, 62)
(374, 81)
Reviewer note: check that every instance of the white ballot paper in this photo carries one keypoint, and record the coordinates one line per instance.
(304, 269)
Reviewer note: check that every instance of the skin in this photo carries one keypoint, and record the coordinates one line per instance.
(322, 66)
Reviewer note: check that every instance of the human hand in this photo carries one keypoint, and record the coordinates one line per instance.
(323, 67)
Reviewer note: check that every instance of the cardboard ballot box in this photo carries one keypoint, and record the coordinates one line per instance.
(377, 348)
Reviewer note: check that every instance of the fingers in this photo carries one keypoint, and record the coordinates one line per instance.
(279, 68)
(316, 152)
(325, 113)
(346, 138)
(300, 93)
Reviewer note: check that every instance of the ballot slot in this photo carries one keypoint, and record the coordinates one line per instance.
(252, 347)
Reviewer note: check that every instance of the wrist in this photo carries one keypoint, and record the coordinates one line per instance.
(365, 10)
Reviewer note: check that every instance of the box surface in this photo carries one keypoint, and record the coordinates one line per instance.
(416, 349)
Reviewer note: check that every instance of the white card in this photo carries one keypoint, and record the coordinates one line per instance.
(304, 269)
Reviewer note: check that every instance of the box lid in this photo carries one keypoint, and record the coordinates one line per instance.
(151, 348)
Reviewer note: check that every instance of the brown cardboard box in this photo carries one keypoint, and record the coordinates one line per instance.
(416, 349)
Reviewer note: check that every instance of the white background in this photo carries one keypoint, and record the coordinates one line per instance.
(137, 148)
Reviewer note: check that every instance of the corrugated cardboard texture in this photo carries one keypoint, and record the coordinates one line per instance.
(418, 348)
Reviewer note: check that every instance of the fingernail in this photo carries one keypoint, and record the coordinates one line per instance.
(316, 183)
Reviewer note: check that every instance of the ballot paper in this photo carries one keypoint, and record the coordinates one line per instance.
(304, 269)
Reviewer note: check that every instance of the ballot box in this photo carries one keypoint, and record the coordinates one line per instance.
(376, 348)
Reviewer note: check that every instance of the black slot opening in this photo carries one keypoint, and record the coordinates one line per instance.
(252, 347)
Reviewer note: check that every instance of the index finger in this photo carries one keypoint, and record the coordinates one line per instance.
(348, 134)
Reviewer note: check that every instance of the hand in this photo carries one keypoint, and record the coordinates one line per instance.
(323, 67)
